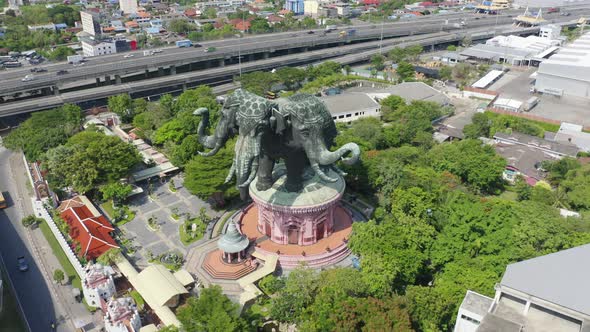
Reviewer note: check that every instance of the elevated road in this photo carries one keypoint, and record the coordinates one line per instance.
(348, 54)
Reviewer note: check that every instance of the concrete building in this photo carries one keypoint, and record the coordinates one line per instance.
(550, 31)
(92, 47)
(568, 71)
(515, 50)
(98, 285)
(571, 134)
(121, 316)
(296, 6)
(90, 23)
(311, 7)
(348, 107)
(547, 293)
(128, 6)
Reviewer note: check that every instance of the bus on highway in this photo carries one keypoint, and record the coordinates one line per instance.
(2, 201)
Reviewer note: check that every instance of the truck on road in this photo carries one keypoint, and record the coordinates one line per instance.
(75, 59)
(347, 33)
(184, 43)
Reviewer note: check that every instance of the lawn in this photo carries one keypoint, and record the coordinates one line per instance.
(10, 316)
(67, 267)
(137, 298)
(111, 212)
(185, 227)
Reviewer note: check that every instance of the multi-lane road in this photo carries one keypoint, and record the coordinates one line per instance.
(117, 64)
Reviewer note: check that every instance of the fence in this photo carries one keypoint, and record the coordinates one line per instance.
(41, 211)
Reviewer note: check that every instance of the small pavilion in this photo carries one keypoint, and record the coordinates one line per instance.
(233, 244)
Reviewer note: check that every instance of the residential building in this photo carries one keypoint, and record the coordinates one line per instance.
(121, 316)
(547, 293)
(348, 107)
(572, 134)
(343, 9)
(296, 6)
(568, 71)
(128, 6)
(525, 154)
(97, 284)
(91, 47)
(90, 23)
(311, 7)
(87, 227)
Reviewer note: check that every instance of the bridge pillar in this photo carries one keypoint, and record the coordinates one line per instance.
(107, 79)
(55, 90)
(432, 48)
(147, 73)
(160, 71)
(183, 86)
(98, 81)
(117, 79)
(305, 49)
(221, 62)
(172, 70)
(265, 55)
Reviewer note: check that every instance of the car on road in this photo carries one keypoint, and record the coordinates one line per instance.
(28, 78)
(158, 50)
(22, 264)
(62, 72)
(310, 32)
(197, 45)
(38, 70)
(128, 56)
(294, 35)
(210, 49)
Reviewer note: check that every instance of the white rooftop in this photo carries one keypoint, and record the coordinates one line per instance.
(572, 61)
(490, 77)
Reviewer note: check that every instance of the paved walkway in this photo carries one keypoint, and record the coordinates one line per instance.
(161, 204)
(68, 310)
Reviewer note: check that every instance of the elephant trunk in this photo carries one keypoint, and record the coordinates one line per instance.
(319, 155)
(217, 140)
(206, 141)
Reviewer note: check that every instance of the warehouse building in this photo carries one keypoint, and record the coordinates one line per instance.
(514, 50)
(568, 71)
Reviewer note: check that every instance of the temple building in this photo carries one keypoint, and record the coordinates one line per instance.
(233, 244)
(98, 284)
(121, 316)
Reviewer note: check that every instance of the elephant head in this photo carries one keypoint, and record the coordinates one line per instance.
(248, 113)
(313, 126)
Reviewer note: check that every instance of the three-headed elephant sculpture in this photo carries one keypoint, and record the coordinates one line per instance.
(298, 129)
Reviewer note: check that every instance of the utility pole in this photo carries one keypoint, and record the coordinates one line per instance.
(381, 39)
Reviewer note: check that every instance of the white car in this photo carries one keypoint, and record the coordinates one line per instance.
(128, 56)
(28, 78)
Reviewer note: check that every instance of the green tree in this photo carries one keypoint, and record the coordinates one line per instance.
(378, 61)
(445, 73)
(60, 53)
(44, 130)
(185, 151)
(479, 126)
(122, 105)
(390, 105)
(180, 26)
(451, 48)
(291, 76)
(205, 176)
(259, 25)
(308, 23)
(116, 191)
(29, 221)
(110, 257)
(398, 55)
(271, 284)
(211, 311)
(58, 275)
(405, 71)
(298, 293)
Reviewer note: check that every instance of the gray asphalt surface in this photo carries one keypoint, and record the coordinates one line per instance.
(31, 287)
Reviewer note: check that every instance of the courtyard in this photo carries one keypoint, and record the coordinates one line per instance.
(160, 204)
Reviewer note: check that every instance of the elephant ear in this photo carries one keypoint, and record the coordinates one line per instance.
(281, 120)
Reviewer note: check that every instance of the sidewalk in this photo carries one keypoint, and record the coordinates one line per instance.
(71, 311)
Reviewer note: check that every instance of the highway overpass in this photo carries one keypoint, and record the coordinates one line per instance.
(349, 54)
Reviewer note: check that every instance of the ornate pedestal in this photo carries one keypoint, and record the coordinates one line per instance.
(308, 226)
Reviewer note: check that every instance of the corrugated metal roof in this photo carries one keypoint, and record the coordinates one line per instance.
(560, 278)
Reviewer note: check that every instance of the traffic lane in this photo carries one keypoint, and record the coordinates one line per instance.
(31, 287)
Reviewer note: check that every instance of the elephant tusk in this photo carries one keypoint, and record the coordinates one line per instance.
(321, 174)
(253, 171)
(338, 170)
(231, 173)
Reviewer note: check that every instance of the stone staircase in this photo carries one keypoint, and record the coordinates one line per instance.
(218, 269)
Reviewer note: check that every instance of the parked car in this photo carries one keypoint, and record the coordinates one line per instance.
(310, 32)
(22, 264)
(62, 72)
(197, 45)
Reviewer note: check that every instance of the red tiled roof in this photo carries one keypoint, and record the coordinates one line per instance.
(371, 2)
(242, 26)
(274, 19)
(190, 12)
(93, 233)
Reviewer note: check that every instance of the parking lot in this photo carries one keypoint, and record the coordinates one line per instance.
(160, 205)
(516, 85)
